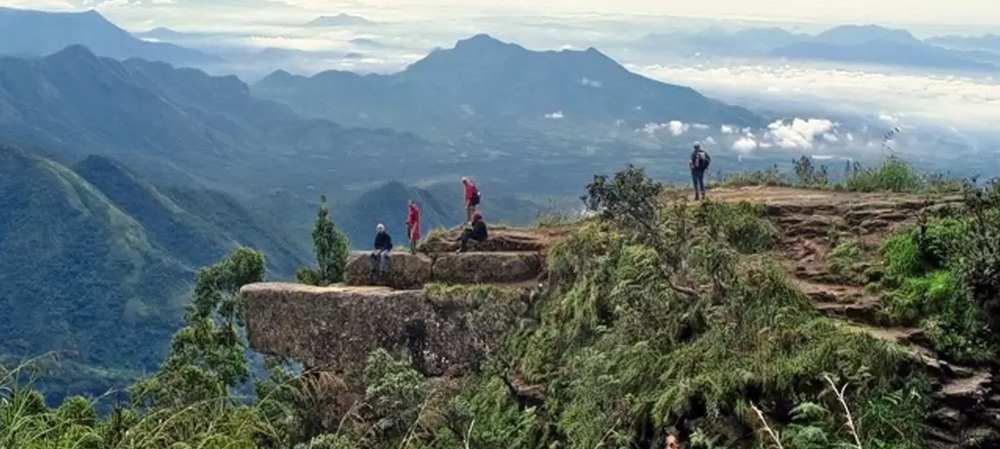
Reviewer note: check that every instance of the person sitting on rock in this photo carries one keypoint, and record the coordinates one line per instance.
(477, 232)
(380, 256)
(413, 226)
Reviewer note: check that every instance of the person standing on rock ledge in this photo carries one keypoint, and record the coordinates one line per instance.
(699, 163)
(380, 256)
(413, 226)
(472, 198)
(478, 232)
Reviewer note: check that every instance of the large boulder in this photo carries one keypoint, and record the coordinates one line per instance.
(486, 268)
(412, 271)
(406, 271)
(443, 330)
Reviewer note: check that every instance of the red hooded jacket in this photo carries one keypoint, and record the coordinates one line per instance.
(413, 222)
(470, 192)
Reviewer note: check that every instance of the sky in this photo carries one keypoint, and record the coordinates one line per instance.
(978, 13)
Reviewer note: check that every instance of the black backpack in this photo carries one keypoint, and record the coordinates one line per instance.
(477, 197)
(702, 159)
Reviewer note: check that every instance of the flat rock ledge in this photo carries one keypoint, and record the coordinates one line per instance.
(501, 240)
(413, 271)
(334, 328)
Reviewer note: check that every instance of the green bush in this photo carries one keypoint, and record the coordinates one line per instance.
(926, 287)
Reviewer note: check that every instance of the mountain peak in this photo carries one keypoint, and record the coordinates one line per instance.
(481, 41)
(856, 34)
(341, 19)
(280, 79)
(73, 52)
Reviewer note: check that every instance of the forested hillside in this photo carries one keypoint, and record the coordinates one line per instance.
(98, 263)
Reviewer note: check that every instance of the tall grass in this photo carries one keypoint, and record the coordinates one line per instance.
(891, 175)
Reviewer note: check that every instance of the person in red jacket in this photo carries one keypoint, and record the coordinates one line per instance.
(471, 198)
(413, 226)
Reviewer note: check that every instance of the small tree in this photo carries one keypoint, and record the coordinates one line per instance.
(331, 250)
(207, 356)
(629, 198)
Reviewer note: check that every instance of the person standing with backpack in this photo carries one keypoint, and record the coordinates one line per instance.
(699, 162)
(472, 198)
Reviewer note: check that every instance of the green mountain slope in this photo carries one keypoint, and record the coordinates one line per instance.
(98, 262)
(196, 225)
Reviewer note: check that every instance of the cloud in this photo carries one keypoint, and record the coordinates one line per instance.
(48, 5)
(555, 115)
(964, 102)
(888, 118)
(675, 127)
(590, 82)
(726, 129)
(799, 133)
(745, 145)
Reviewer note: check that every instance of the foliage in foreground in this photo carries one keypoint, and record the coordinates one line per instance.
(942, 275)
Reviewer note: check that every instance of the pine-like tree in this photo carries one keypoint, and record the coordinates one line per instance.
(331, 250)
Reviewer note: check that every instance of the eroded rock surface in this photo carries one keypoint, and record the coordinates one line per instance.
(413, 271)
(335, 328)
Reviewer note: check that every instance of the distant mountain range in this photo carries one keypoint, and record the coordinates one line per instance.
(99, 261)
(339, 20)
(36, 33)
(987, 42)
(860, 44)
(182, 126)
(483, 82)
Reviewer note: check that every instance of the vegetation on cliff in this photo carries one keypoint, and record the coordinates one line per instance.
(658, 319)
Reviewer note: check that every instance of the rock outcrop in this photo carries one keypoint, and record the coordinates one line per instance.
(442, 328)
(334, 328)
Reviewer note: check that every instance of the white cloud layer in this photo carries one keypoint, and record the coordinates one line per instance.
(797, 136)
(962, 102)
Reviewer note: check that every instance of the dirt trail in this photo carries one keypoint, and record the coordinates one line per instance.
(812, 222)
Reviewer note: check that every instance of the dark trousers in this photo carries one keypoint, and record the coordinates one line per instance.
(463, 241)
(698, 177)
